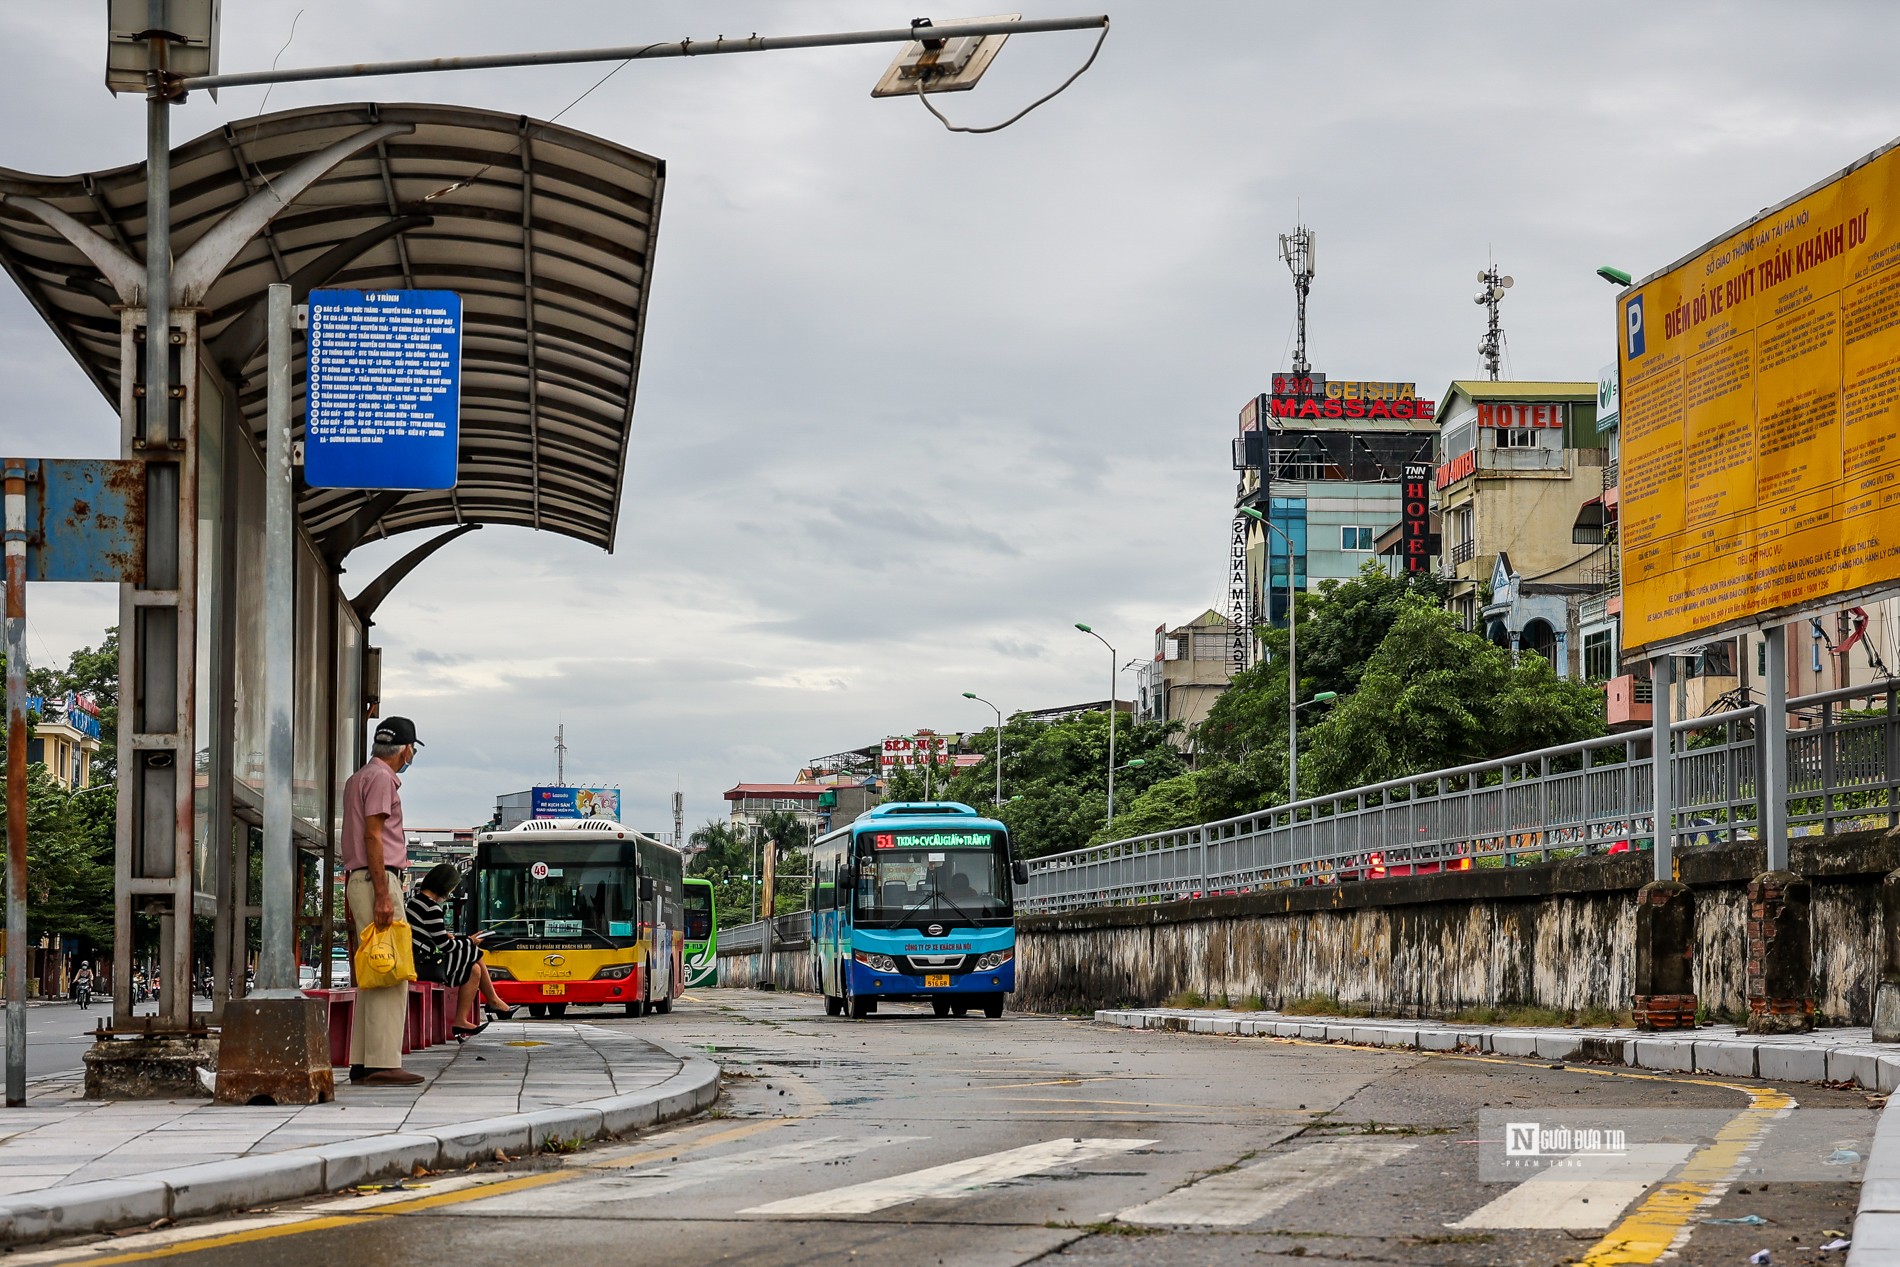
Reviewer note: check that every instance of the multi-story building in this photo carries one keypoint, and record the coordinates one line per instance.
(1189, 672)
(749, 803)
(66, 740)
(1323, 461)
(1515, 461)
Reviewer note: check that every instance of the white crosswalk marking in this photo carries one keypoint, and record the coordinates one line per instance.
(1591, 1193)
(658, 1180)
(952, 1180)
(1246, 1195)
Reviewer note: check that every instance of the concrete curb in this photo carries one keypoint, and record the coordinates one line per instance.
(1876, 1236)
(220, 1186)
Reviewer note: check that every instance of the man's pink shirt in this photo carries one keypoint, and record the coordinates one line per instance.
(374, 789)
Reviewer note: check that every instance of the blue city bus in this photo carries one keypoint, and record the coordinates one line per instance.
(913, 901)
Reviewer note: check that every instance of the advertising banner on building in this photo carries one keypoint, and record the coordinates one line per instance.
(1760, 417)
(576, 802)
(1415, 517)
(920, 749)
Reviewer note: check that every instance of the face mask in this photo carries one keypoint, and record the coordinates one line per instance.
(404, 767)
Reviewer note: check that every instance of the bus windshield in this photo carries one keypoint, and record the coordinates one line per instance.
(902, 884)
(698, 904)
(564, 891)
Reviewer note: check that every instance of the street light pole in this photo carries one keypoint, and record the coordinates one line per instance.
(999, 742)
(1113, 685)
(1292, 669)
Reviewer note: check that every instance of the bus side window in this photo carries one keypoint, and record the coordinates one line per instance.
(821, 879)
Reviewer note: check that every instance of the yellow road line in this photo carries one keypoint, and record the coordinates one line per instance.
(1663, 1219)
(809, 1101)
(231, 1238)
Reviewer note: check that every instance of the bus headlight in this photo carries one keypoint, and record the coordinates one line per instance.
(994, 960)
(875, 962)
(618, 972)
(499, 974)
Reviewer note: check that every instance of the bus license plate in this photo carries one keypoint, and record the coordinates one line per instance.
(936, 980)
(556, 988)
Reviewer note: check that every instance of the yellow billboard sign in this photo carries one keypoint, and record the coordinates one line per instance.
(1760, 467)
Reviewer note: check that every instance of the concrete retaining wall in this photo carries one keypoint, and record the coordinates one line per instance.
(791, 968)
(1560, 935)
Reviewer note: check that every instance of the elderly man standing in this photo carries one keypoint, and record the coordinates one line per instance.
(375, 851)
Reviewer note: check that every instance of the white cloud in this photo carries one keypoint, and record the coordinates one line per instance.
(914, 403)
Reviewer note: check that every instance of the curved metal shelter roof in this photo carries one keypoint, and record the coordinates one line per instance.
(547, 233)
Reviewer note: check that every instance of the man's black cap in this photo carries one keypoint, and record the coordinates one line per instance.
(397, 730)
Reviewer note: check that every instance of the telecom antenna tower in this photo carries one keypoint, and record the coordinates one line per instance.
(1297, 250)
(560, 755)
(1492, 286)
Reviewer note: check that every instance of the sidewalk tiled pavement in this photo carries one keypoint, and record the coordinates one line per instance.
(61, 1138)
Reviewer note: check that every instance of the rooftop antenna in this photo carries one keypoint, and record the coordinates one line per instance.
(560, 753)
(1491, 287)
(1297, 250)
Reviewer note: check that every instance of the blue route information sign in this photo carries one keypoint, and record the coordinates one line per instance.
(384, 401)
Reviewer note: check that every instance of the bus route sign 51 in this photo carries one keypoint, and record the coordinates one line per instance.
(385, 369)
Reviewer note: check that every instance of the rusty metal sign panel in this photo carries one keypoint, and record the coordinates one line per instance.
(85, 520)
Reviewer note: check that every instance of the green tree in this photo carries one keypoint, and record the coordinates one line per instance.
(725, 857)
(1342, 624)
(1434, 696)
(1166, 805)
(1055, 776)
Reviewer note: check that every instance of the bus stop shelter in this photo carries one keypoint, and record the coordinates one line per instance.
(548, 236)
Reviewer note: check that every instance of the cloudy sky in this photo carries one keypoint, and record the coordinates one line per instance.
(914, 403)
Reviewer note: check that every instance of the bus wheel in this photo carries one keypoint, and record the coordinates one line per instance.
(834, 1006)
(959, 1009)
(538, 1011)
(635, 1008)
(940, 1006)
(993, 1006)
(557, 1010)
(860, 1007)
(664, 1006)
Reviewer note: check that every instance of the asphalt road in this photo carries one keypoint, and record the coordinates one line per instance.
(58, 1034)
(906, 1139)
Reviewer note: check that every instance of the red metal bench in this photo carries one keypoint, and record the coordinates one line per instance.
(342, 1013)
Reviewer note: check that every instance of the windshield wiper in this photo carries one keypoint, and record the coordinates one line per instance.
(945, 898)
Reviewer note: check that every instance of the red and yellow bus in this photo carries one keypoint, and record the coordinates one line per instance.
(579, 912)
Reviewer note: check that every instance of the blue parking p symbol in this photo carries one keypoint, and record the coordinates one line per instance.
(1633, 327)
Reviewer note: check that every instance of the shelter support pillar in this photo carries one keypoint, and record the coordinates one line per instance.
(154, 868)
(276, 1043)
(1887, 986)
(1665, 997)
(1780, 964)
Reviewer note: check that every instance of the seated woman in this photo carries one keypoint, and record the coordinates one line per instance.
(448, 958)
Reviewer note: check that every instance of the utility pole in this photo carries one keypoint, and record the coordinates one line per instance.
(1492, 285)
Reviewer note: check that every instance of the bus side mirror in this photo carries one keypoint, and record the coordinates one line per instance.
(848, 879)
(1019, 872)
(646, 888)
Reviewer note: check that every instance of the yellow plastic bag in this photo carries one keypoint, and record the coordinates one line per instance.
(385, 957)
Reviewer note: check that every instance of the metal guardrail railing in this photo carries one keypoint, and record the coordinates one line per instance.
(1583, 798)
(792, 929)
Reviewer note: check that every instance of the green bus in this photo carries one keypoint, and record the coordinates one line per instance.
(702, 933)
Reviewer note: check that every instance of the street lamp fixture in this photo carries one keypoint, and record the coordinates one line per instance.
(1614, 276)
(1320, 698)
(999, 742)
(1292, 656)
(1113, 684)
